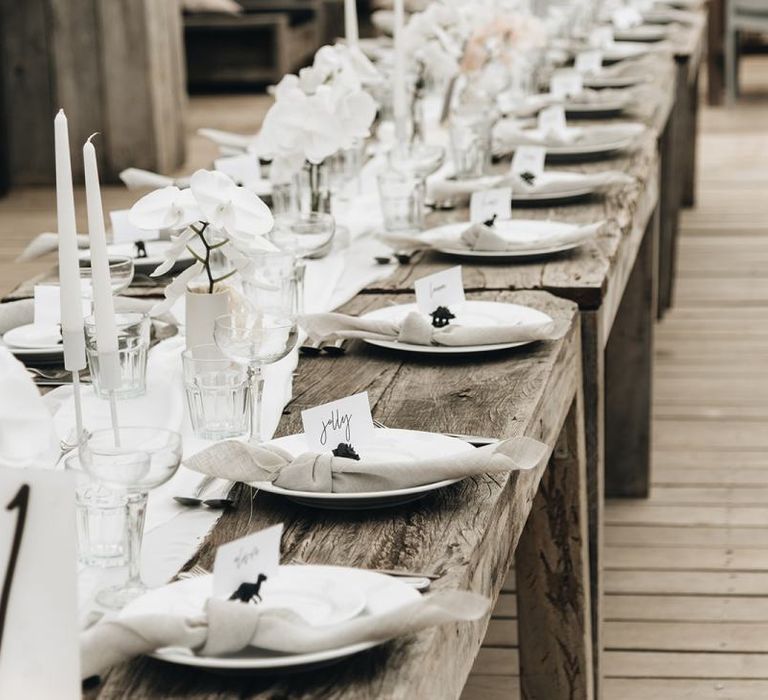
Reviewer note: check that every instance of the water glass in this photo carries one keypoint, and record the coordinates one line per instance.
(270, 279)
(470, 133)
(120, 275)
(132, 347)
(100, 516)
(402, 201)
(217, 393)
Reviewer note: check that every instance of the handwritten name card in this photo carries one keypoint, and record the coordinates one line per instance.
(589, 62)
(529, 159)
(485, 204)
(244, 560)
(565, 83)
(444, 288)
(346, 420)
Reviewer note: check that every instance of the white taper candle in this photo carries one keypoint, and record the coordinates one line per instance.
(69, 265)
(351, 32)
(399, 97)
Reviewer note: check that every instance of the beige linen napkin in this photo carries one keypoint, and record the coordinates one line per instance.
(230, 626)
(136, 178)
(417, 329)
(484, 238)
(549, 182)
(48, 242)
(325, 473)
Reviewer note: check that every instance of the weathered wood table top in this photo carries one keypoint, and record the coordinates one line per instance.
(466, 534)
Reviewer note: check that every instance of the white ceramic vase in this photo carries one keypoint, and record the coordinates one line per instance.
(201, 310)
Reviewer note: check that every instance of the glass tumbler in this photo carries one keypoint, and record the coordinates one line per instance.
(470, 134)
(402, 201)
(132, 348)
(217, 393)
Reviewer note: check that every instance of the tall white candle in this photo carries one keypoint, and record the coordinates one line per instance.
(350, 22)
(69, 265)
(399, 98)
(103, 304)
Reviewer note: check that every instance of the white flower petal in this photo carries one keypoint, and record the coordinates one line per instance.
(156, 210)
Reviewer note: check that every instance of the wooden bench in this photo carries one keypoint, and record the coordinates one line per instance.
(468, 534)
(261, 45)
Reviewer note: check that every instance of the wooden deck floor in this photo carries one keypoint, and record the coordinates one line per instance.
(687, 579)
(687, 570)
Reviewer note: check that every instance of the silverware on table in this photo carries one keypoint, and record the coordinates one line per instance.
(311, 347)
(195, 499)
(339, 347)
(474, 440)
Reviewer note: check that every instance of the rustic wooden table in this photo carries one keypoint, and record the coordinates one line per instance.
(467, 534)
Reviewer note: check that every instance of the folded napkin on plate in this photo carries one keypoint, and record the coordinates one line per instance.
(484, 238)
(19, 313)
(326, 473)
(27, 435)
(417, 329)
(227, 627)
(45, 243)
(136, 178)
(549, 182)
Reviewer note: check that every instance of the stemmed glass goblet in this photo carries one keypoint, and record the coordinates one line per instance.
(256, 338)
(133, 460)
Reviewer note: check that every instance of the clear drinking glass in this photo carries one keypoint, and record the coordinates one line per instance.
(217, 393)
(277, 270)
(256, 339)
(402, 201)
(305, 236)
(132, 348)
(100, 516)
(133, 461)
(470, 133)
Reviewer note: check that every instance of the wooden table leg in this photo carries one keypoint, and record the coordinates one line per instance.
(593, 370)
(715, 67)
(553, 576)
(628, 375)
(692, 132)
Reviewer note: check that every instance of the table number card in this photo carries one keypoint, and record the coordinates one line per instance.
(626, 18)
(600, 37)
(347, 420)
(242, 169)
(444, 288)
(123, 231)
(39, 648)
(486, 204)
(565, 83)
(529, 159)
(246, 560)
(589, 62)
(552, 120)
(47, 305)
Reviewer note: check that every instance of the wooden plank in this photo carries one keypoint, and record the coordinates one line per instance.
(651, 664)
(727, 583)
(466, 533)
(495, 661)
(686, 608)
(684, 689)
(697, 515)
(687, 558)
(671, 536)
(724, 637)
(491, 688)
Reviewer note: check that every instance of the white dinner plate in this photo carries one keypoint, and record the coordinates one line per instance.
(535, 234)
(33, 337)
(614, 139)
(622, 50)
(642, 33)
(598, 82)
(389, 444)
(470, 313)
(18, 341)
(379, 594)
(584, 109)
(156, 251)
(573, 187)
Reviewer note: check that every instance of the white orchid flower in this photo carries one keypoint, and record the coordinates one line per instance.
(176, 289)
(178, 246)
(355, 113)
(311, 78)
(236, 211)
(166, 208)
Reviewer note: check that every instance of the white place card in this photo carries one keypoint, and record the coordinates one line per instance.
(245, 560)
(486, 204)
(123, 231)
(39, 647)
(346, 420)
(529, 159)
(243, 169)
(47, 305)
(444, 288)
(565, 83)
(600, 37)
(589, 62)
(552, 120)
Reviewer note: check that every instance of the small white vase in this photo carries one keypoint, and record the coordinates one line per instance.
(201, 310)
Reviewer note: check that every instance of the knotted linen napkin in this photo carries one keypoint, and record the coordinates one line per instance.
(136, 178)
(48, 242)
(229, 626)
(508, 134)
(549, 182)
(484, 238)
(326, 473)
(416, 329)
(27, 435)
